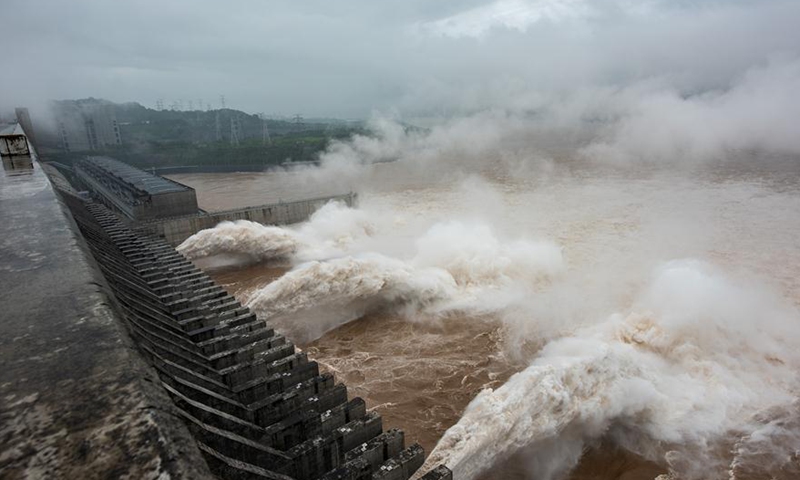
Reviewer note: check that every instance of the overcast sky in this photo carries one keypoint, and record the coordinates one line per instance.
(350, 58)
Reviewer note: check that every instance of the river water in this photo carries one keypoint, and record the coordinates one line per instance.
(649, 315)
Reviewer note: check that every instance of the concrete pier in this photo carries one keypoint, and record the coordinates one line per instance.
(256, 407)
(168, 209)
(177, 229)
(77, 400)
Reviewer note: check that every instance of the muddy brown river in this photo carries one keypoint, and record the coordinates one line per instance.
(615, 230)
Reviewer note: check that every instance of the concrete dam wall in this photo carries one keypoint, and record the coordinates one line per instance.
(77, 399)
(256, 407)
(177, 229)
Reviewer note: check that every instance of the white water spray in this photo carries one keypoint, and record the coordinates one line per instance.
(323, 295)
(456, 266)
(702, 360)
(257, 242)
(328, 232)
(690, 370)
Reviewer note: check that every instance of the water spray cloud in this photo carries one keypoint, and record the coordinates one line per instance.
(699, 358)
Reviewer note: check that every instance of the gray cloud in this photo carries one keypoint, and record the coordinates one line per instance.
(348, 59)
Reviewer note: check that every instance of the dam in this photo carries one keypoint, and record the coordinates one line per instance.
(124, 359)
(433, 332)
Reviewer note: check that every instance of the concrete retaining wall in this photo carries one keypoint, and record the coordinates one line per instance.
(257, 407)
(177, 229)
(76, 398)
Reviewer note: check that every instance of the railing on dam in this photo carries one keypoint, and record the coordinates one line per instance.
(177, 229)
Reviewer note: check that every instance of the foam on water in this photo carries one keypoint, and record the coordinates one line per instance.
(696, 363)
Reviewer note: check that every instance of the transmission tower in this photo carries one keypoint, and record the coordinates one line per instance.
(191, 105)
(265, 138)
(219, 129)
(298, 121)
(222, 101)
(236, 130)
(160, 104)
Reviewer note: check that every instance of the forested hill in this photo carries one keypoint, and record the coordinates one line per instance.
(172, 138)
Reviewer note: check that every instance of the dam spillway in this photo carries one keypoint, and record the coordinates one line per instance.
(255, 406)
(254, 403)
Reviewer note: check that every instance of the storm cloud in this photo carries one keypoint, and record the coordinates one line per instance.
(413, 57)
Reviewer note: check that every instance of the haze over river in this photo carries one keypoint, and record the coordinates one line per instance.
(632, 321)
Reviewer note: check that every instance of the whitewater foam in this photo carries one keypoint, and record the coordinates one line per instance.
(323, 295)
(241, 237)
(456, 266)
(701, 358)
(696, 371)
(328, 232)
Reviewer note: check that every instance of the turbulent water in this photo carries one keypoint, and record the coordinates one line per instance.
(574, 322)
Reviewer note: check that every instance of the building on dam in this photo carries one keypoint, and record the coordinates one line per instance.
(137, 194)
(15, 150)
(123, 359)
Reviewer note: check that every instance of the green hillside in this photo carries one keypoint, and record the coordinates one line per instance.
(168, 138)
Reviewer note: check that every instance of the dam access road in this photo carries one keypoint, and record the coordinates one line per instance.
(76, 398)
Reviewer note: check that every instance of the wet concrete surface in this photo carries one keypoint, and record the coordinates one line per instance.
(76, 398)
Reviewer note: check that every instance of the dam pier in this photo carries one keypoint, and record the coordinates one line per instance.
(125, 359)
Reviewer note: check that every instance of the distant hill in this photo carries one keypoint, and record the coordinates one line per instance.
(224, 137)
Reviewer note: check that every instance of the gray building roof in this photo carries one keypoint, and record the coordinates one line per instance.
(15, 129)
(147, 182)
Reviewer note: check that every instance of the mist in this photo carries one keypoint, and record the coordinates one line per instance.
(611, 185)
(654, 309)
(642, 269)
(635, 243)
